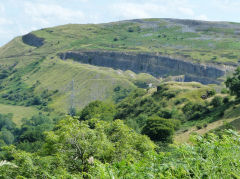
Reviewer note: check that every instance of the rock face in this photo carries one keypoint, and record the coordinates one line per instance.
(155, 65)
(32, 40)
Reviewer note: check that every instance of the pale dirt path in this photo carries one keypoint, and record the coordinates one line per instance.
(184, 137)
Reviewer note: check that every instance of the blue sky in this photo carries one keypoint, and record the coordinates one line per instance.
(18, 17)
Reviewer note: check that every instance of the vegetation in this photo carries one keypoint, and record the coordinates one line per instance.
(98, 144)
(181, 39)
(123, 125)
(233, 83)
(29, 136)
(111, 149)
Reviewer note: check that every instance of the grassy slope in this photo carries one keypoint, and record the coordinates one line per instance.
(212, 42)
(231, 116)
(193, 92)
(19, 112)
(189, 91)
(90, 82)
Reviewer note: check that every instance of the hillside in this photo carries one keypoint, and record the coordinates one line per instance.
(72, 61)
(145, 98)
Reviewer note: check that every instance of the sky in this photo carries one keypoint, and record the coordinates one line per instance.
(18, 17)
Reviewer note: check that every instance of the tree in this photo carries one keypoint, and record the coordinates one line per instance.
(159, 129)
(31, 134)
(98, 109)
(6, 136)
(233, 83)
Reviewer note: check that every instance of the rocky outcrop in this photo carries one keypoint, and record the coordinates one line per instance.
(153, 64)
(32, 40)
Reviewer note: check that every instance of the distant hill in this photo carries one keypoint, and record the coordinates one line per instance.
(50, 67)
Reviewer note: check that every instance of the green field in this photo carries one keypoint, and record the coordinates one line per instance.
(19, 112)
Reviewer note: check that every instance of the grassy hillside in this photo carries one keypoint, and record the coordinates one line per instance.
(193, 40)
(19, 112)
(35, 72)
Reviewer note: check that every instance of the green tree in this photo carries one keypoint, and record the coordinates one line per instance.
(98, 109)
(7, 136)
(233, 83)
(74, 147)
(159, 129)
(31, 134)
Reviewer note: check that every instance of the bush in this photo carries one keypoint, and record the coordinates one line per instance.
(194, 111)
(211, 92)
(159, 129)
(98, 109)
(217, 101)
(224, 91)
(180, 101)
(226, 100)
(199, 127)
(130, 29)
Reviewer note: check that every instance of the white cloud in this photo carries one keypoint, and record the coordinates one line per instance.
(153, 8)
(201, 17)
(186, 11)
(226, 4)
(48, 14)
(2, 8)
(5, 21)
(136, 10)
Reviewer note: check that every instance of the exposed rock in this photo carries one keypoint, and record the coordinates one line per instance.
(33, 40)
(153, 64)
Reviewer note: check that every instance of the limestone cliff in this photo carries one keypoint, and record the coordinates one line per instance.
(153, 64)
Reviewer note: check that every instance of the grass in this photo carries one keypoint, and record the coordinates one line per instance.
(182, 137)
(162, 37)
(90, 82)
(19, 112)
(231, 117)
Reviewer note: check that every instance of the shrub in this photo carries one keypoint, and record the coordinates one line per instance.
(180, 101)
(98, 109)
(115, 39)
(130, 29)
(194, 111)
(226, 100)
(217, 101)
(199, 127)
(159, 129)
(211, 92)
(224, 91)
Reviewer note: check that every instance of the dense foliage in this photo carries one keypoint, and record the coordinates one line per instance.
(98, 109)
(99, 149)
(211, 156)
(74, 147)
(29, 136)
(160, 129)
